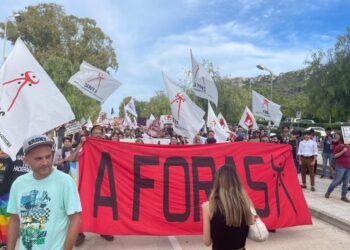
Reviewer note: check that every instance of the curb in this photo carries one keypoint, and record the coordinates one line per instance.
(330, 219)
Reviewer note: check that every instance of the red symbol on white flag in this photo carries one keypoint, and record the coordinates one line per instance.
(99, 78)
(249, 121)
(222, 122)
(179, 98)
(214, 122)
(26, 78)
(266, 106)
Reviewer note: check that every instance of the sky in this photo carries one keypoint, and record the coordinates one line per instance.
(151, 36)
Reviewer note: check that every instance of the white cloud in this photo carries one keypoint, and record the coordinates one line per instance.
(150, 36)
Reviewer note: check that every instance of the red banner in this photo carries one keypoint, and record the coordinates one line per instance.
(128, 188)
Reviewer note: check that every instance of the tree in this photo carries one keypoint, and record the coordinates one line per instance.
(60, 43)
(329, 80)
(157, 105)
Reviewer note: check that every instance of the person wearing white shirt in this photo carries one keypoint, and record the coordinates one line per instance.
(307, 154)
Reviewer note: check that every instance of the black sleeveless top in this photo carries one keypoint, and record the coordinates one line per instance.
(224, 237)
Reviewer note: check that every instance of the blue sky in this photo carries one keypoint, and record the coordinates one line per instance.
(154, 35)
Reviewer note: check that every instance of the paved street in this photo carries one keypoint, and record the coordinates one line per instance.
(319, 236)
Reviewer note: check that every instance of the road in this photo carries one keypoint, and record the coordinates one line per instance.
(318, 236)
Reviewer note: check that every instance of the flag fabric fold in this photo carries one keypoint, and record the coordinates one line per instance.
(94, 82)
(150, 120)
(203, 83)
(187, 116)
(223, 122)
(130, 107)
(213, 123)
(247, 120)
(30, 102)
(265, 108)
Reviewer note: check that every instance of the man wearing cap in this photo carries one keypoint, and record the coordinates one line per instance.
(44, 203)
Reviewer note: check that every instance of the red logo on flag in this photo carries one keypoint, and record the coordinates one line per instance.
(98, 78)
(266, 106)
(27, 78)
(179, 98)
(222, 122)
(248, 121)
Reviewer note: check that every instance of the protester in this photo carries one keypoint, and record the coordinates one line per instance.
(342, 170)
(211, 137)
(335, 142)
(240, 132)
(264, 139)
(314, 137)
(285, 134)
(197, 139)
(60, 156)
(327, 153)
(44, 204)
(294, 143)
(9, 172)
(96, 132)
(114, 136)
(173, 140)
(307, 153)
(139, 141)
(227, 215)
(274, 139)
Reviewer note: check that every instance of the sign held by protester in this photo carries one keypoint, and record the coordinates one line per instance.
(346, 134)
(73, 128)
(140, 189)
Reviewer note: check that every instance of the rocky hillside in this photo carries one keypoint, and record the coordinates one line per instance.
(289, 83)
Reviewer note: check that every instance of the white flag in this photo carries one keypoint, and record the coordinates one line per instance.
(187, 116)
(30, 103)
(266, 109)
(89, 124)
(213, 123)
(94, 82)
(165, 119)
(130, 107)
(203, 83)
(150, 120)
(128, 122)
(223, 122)
(247, 120)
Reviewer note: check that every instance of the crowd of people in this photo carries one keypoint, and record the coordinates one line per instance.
(61, 150)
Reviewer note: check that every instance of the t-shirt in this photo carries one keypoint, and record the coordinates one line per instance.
(327, 142)
(334, 145)
(10, 170)
(43, 207)
(344, 159)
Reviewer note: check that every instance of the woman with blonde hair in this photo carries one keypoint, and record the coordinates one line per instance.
(227, 215)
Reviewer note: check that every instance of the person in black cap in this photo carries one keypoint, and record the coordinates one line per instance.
(44, 204)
